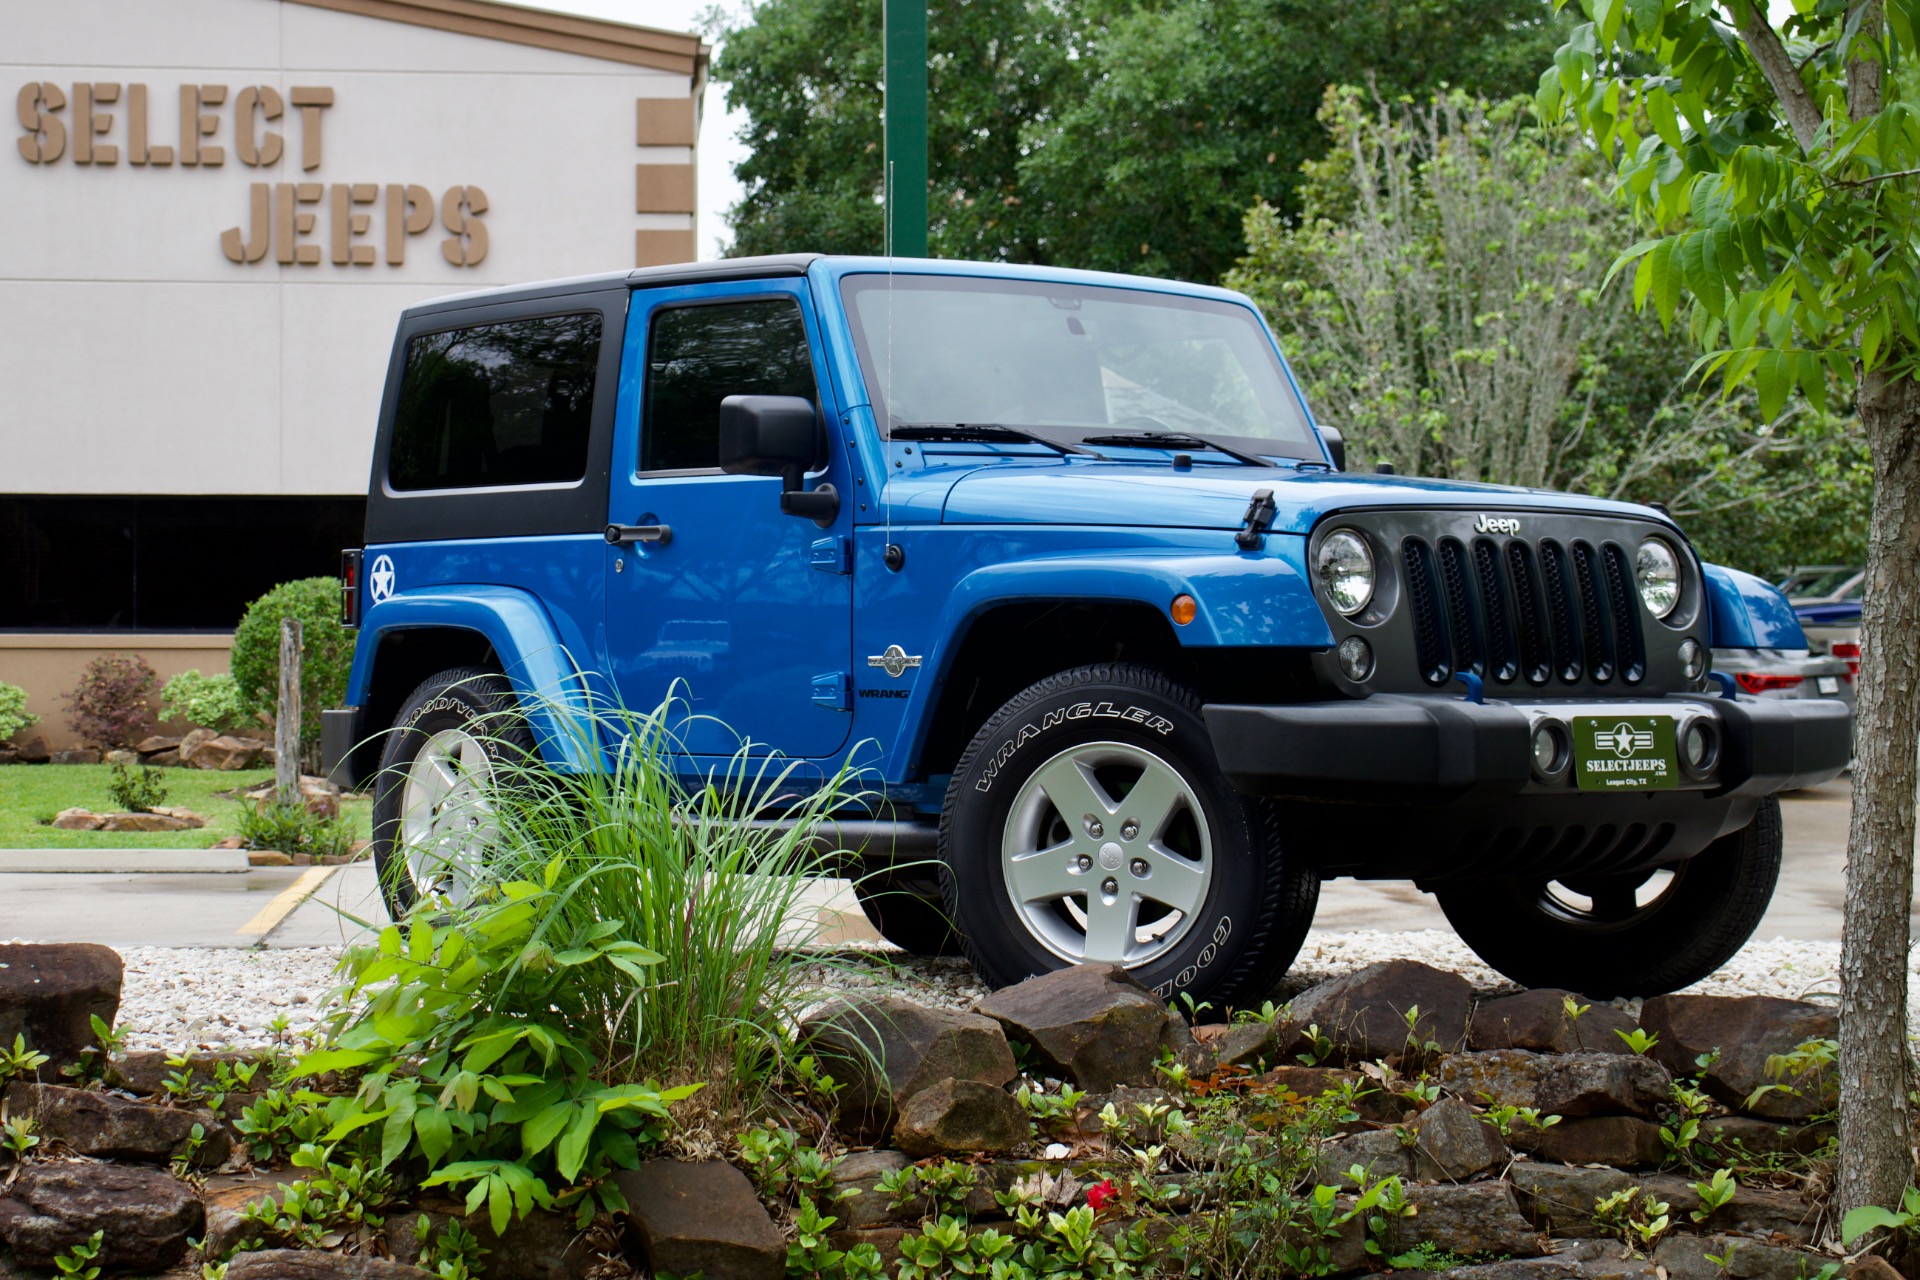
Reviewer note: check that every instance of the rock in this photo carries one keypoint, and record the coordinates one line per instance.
(321, 797)
(702, 1218)
(1093, 1023)
(108, 1127)
(859, 1205)
(1685, 1258)
(1582, 1260)
(165, 760)
(145, 1215)
(1567, 1085)
(1538, 1021)
(1381, 1153)
(1364, 1013)
(268, 858)
(958, 1117)
(1307, 1082)
(154, 745)
(226, 753)
(1482, 1217)
(180, 814)
(143, 822)
(1746, 1030)
(76, 755)
(1873, 1267)
(226, 1197)
(78, 820)
(1560, 1200)
(31, 747)
(1621, 1141)
(1764, 1137)
(195, 739)
(121, 755)
(1453, 1144)
(887, 1050)
(145, 1071)
(1245, 1044)
(50, 992)
(311, 1264)
(1765, 1214)
(543, 1245)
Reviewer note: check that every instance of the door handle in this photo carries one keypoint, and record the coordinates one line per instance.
(619, 535)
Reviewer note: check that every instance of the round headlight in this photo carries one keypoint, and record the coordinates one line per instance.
(1345, 566)
(1657, 570)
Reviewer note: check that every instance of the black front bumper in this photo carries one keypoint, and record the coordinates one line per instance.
(1433, 788)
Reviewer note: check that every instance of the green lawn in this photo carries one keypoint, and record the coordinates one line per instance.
(30, 794)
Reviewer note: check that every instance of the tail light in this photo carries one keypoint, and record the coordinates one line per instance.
(350, 562)
(1850, 650)
(1759, 682)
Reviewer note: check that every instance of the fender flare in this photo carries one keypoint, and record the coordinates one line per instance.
(1746, 612)
(553, 690)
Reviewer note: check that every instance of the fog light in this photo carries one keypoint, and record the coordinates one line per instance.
(1551, 749)
(1699, 748)
(1356, 658)
(1693, 660)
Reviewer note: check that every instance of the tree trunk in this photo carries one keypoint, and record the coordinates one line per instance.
(286, 720)
(1876, 1139)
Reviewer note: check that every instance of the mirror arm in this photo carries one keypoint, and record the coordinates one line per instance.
(821, 505)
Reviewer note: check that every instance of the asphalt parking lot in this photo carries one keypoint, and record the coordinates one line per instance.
(328, 906)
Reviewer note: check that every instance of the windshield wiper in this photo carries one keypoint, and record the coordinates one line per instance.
(1180, 440)
(982, 433)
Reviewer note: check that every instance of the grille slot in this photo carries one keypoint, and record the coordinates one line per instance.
(1520, 610)
(1430, 645)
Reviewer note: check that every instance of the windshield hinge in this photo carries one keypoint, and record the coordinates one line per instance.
(1260, 513)
(832, 555)
(831, 691)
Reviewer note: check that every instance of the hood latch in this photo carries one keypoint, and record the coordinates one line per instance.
(1260, 513)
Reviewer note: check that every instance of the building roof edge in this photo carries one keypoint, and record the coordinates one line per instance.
(540, 28)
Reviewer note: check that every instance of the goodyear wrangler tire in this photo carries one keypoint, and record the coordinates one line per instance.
(1087, 821)
(1635, 935)
(432, 817)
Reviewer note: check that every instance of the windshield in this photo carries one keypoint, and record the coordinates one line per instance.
(1822, 581)
(1075, 360)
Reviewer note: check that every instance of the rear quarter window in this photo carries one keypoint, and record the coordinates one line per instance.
(499, 404)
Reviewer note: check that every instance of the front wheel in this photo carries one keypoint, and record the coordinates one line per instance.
(432, 801)
(1088, 821)
(1643, 934)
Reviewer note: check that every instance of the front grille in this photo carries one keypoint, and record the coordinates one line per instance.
(1524, 611)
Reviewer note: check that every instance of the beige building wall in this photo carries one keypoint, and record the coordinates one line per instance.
(48, 666)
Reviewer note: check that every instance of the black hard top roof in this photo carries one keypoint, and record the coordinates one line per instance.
(786, 264)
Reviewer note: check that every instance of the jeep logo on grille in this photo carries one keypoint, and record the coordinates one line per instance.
(1497, 524)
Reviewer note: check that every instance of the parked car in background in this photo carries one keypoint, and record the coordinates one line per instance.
(1789, 673)
(1823, 584)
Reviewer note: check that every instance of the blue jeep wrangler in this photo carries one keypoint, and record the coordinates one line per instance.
(1142, 663)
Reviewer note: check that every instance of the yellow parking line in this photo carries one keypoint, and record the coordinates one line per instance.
(269, 917)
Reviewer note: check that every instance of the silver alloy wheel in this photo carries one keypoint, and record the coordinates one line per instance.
(446, 822)
(1100, 877)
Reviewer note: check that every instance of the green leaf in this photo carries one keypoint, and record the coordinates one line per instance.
(356, 1120)
(1773, 377)
(499, 1204)
(572, 1151)
(1646, 17)
(1666, 281)
(1660, 111)
(1607, 16)
(397, 1133)
(435, 1128)
(326, 1060)
(536, 1134)
(1867, 1218)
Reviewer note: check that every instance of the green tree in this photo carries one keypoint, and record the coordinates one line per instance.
(326, 654)
(1076, 134)
(1775, 165)
(1440, 297)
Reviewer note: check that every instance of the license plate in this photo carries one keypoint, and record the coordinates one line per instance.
(1624, 753)
(1827, 684)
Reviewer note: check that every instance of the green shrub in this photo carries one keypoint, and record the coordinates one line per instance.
(136, 792)
(634, 942)
(326, 651)
(14, 715)
(112, 706)
(207, 702)
(291, 828)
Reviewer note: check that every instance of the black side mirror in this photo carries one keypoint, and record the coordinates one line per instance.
(1336, 445)
(778, 436)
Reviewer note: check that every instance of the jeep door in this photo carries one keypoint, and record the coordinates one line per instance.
(743, 612)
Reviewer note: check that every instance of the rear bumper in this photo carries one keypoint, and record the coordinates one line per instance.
(343, 753)
(1435, 788)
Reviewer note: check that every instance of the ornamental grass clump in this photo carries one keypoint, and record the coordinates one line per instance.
(634, 958)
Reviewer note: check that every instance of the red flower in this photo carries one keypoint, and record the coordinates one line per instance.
(1100, 1194)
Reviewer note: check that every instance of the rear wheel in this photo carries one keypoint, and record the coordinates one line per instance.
(432, 813)
(1088, 822)
(1642, 934)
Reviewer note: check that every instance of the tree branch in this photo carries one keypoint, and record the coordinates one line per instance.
(1764, 44)
(1863, 60)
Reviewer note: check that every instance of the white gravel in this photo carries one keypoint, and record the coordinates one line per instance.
(180, 998)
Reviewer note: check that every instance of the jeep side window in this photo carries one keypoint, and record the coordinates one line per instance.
(496, 404)
(697, 356)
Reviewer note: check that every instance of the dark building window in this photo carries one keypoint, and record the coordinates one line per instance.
(698, 356)
(497, 404)
(160, 563)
